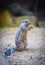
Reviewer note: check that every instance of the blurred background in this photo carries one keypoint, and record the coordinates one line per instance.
(11, 14)
(13, 11)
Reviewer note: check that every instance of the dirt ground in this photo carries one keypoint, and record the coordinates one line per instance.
(36, 45)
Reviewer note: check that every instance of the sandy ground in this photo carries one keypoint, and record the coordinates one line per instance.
(36, 45)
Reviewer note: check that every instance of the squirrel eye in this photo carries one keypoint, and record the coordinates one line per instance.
(26, 21)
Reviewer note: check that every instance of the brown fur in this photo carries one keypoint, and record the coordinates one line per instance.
(21, 45)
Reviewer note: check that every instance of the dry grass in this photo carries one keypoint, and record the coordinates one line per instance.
(7, 20)
(19, 19)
